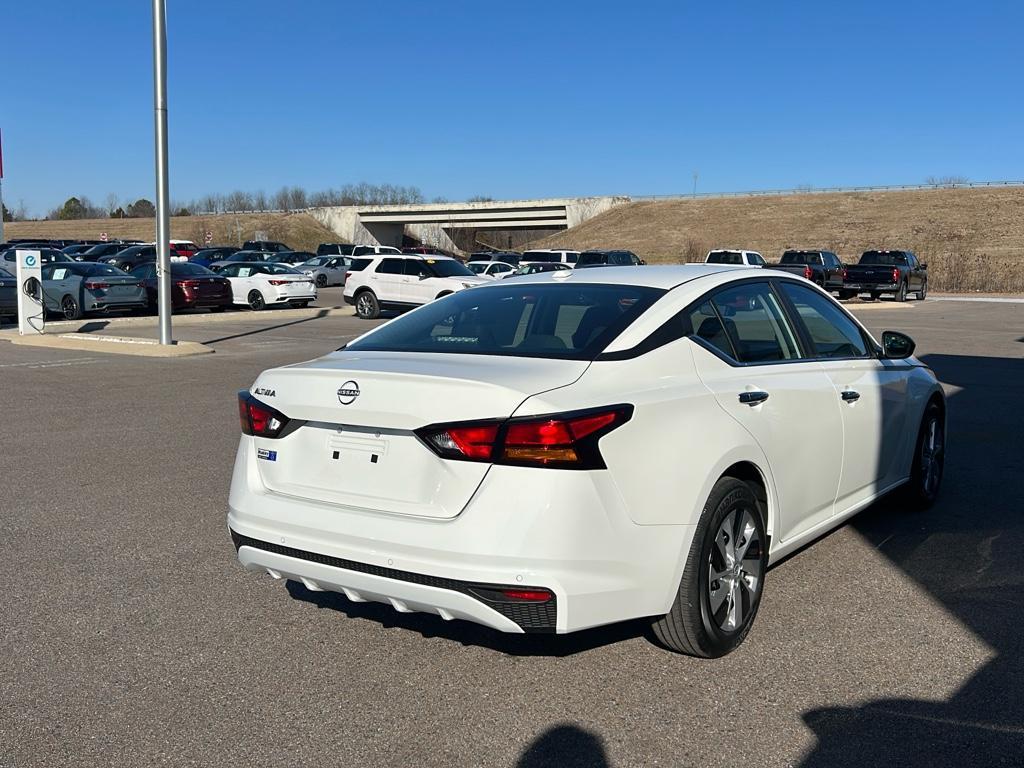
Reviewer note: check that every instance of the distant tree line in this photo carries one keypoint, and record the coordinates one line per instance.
(285, 199)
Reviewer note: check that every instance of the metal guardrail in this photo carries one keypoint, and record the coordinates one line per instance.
(827, 190)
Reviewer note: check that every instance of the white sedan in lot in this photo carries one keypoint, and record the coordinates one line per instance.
(259, 285)
(572, 449)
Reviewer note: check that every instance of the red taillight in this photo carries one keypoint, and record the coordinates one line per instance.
(279, 282)
(347, 276)
(895, 275)
(530, 595)
(190, 284)
(565, 440)
(808, 272)
(259, 419)
(96, 286)
(846, 275)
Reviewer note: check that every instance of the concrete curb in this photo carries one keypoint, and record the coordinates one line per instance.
(153, 321)
(857, 306)
(116, 345)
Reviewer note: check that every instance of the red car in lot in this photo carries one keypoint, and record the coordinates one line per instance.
(192, 286)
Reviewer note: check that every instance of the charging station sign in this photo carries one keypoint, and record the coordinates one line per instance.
(30, 292)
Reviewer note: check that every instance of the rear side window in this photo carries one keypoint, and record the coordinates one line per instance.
(748, 325)
(391, 267)
(591, 258)
(831, 331)
(358, 265)
(561, 321)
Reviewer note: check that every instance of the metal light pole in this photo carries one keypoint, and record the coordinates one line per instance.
(163, 219)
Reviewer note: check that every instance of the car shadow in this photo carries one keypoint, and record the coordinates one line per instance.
(565, 746)
(468, 633)
(966, 553)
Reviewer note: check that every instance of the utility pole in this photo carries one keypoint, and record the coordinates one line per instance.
(695, 174)
(163, 220)
(2, 189)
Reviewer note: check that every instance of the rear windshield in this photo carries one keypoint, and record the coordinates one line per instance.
(801, 257)
(358, 265)
(884, 258)
(572, 322)
(476, 267)
(188, 268)
(591, 258)
(725, 257)
(542, 256)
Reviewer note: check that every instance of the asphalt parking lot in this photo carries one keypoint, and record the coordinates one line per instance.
(130, 636)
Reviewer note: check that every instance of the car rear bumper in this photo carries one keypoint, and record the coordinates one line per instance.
(869, 287)
(562, 531)
(350, 300)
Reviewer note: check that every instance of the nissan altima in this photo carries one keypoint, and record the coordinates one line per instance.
(577, 448)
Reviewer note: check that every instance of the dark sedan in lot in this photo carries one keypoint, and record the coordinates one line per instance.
(8, 294)
(192, 286)
(208, 256)
(80, 287)
(131, 258)
(101, 250)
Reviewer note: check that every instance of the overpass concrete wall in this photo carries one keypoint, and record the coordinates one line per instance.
(430, 222)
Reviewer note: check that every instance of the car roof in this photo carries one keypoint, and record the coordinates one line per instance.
(658, 276)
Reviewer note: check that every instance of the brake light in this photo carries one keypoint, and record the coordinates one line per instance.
(568, 441)
(279, 282)
(808, 272)
(846, 274)
(190, 284)
(258, 419)
(348, 275)
(96, 286)
(895, 275)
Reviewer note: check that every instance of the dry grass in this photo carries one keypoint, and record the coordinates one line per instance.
(299, 230)
(972, 239)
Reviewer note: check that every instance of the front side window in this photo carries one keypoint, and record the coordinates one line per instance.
(834, 334)
(753, 322)
(447, 268)
(415, 268)
(560, 321)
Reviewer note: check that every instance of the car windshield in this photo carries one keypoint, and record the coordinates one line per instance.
(447, 268)
(725, 257)
(571, 322)
(884, 258)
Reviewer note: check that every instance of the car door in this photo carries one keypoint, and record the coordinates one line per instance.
(915, 277)
(751, 359)
(419, 287)
(388, 280)
(336, 271)
(872, 393)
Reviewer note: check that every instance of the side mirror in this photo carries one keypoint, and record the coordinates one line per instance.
(896, 345)
(642, 262)
(423, 276)
(924, 266)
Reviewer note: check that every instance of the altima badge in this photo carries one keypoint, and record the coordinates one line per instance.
(348, 392)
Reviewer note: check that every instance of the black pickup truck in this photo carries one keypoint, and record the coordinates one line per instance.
(821, 267)
(895, 272)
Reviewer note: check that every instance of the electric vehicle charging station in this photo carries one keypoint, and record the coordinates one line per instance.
(29, 275)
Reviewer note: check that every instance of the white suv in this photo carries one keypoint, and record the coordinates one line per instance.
(403, 281)
(550, 256)
(738, 257)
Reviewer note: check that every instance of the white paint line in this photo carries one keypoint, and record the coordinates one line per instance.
(39, 363)
(978, 299)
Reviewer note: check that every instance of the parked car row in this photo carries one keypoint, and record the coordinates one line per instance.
(898, 272)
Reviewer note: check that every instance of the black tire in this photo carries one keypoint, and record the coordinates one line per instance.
(221, 308)
(693, 626)
(923, 293)
(844, 295)
(256, 301)
(70, 308)
(367, 306)
(321, 281)
(901, 292)
(929, 460)
(300, 304)
(873, 296)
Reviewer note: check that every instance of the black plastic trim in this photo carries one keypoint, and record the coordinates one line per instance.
(532, 617)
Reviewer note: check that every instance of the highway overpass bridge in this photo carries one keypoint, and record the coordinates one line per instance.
(435, 224)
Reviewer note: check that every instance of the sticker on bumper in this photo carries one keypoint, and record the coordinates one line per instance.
(263, 453)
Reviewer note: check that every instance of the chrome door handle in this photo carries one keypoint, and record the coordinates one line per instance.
(753, 398)
(849, 396)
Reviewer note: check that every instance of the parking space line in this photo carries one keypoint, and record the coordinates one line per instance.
(51, 363)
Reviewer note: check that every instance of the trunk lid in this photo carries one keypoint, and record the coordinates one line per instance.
(357, 448)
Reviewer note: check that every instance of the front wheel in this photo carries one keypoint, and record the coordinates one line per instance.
(255, 301)
(721, 587)
(321, 281)
(923, 293)
(367, 306)
(929, 459)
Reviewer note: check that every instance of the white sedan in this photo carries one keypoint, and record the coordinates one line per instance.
(491, 269)
(572, 449)
(258, 285)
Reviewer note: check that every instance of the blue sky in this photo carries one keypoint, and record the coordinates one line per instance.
(524, 99)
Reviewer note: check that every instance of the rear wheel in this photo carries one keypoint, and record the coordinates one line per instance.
(847, 294)
(321, 281)
(367, 306)
(929, 459)
(255, 301)
(873, 296)
(721, 587)
(70, 308)
(901, 292)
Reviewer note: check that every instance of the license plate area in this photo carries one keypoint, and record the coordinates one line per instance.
(354, 451)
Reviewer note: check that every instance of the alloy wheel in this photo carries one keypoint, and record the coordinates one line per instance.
(931, 458)
(734, 570)
(70, 308)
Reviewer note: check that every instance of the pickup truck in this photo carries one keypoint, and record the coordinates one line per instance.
(821, 267)
(895, 272)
